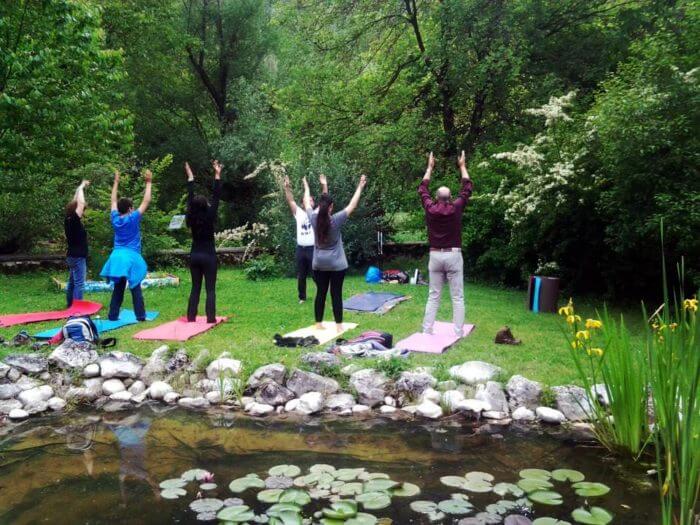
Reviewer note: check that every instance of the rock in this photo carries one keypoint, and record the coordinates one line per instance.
(292, 405)
(8, 405)
(4, 369)
(56, 403)
(473, 406)
(45, 377)
(137, 387)
(223, 367)
(371, 386)
(18, 413)
(209, 385)
(549, 415)
(260, 409)
(93, 388)
(91, 370)
(320, 360)
(350, 369)
(247, 400)
(158, 389)
(451, 399)
(193, 402)
(601, 394)
(26, 383)
(276, 372)
(493, 394)
(300, 382)
(387, 409)
(138, 398)
(272, 393)
(213, 397)
(494, 414)
(410, 409)
(444, 386)
(171, 397)
(72, 355)
(36, 407)
(34, 400)
(360, 409)
(388, 400)
(430, 394)
(121, 365)
(112, 386)
(573, 402)
(523, 393)
(8, 389)
(28, 363)
(413, 384)
(13, 374)
(156, 366)
(310, 403)
(523, 414)
(429, 409)
(474, 372)
(339, 402)
(122, 395)
(179, 361)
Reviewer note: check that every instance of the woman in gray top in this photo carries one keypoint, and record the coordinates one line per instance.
(329, 262)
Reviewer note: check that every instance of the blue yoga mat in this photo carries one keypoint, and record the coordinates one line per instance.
(126, 317)
(369, 301)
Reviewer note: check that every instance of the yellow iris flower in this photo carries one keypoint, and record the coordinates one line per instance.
(571, 319)
(691, 304)
(592, 324)
(583, 335)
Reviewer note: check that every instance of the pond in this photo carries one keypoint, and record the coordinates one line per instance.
(85, 468)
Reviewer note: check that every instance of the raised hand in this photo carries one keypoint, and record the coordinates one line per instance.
(322, 179)
(188, 171)
(217, 168)
(85, 183)
(431, 161)
(363, 181)
(287, 182)
(462, 160)
(116, 176)
(148, 175)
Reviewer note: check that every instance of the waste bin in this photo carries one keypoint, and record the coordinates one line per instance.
(543, 294)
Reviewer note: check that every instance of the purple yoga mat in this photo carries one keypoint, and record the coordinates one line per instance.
(441, 339)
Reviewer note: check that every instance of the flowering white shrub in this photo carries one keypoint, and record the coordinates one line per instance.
(249, 236)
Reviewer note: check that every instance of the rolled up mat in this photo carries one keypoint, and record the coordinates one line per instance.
(126, 317)
(79, 307)
(327, 334)
(441, 339)
(178, 330)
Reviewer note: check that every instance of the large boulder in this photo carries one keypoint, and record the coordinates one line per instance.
(549, 415)
(28, 363)
(193, 402)
(260, 409)
(300, 382)
(8, 389)
(272, 393)
(523, 392)
(71, 354)
(523, 414)
(320, 360)
(451, 399)
(8, 405)
(474, 372)
(159, 389)
(371, 386)
(112, 386)
(429, 409)
(310, 403)
(18, 414)
(157, 365)
(573, 402)
(223, 367)
(339, 402)
(493, 394)
(35, 399)
(121, 365)
(276, 372)
(413, 384)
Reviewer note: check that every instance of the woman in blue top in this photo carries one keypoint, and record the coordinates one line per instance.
(125, 262)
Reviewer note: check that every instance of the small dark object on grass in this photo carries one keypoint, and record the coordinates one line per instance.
(505, 337)
(293, 342)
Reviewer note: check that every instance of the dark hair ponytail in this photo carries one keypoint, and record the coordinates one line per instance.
(323, 221)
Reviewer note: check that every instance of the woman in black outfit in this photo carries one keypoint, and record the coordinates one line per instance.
(201, 218)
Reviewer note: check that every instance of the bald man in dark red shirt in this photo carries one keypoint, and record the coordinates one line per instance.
(443, 216)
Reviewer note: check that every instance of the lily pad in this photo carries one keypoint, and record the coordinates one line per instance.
(377, 475)
(195, 474)
(349, 474)
(531, 485)
(317, 469)
(341, 510)
(535, 473)
(564, 474)
(455, 506)
(351, 489)
(423, 507)
(479, 476)
(237, 514)
(362, 519)
(501, 507)
(172, 493)
(290, 471)
(378, 485)
(594, 516)
(453, 481)
(296, 496)
(517, 519)
(374, 500)
(206, 516)
(287, 518)
(406, 490)
(550, 521)
(590, 489)
(545, 497)
(248, 482)
(208, 486)
(175, 483)
(206, 505)
(278, 508)
(270, 495)
(503, 489)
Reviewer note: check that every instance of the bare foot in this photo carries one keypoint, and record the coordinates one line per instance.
(319, 326)
(338, 327)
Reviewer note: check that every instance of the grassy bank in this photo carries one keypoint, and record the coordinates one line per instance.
(258, 310)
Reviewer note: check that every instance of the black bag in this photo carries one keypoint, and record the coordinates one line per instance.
(82, 329)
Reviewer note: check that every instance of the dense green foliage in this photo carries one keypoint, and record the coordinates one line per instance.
(369, 87)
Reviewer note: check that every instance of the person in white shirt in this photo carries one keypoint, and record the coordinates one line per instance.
(305, 236)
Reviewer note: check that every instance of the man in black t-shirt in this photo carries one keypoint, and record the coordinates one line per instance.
(76, 237)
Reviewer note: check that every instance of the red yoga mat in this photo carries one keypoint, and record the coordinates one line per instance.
(79, 307)
(441, 339)
(178, 330)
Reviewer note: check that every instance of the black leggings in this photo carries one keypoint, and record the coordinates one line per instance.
(202, 265)
(324, 279)
(304, 258)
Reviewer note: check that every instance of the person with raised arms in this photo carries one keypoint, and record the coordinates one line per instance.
(305, 236)
(76, 238)
(443, 217)
(329, 262)
(125, 263)
(201, 219)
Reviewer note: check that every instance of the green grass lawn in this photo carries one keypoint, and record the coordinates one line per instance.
(258, 310)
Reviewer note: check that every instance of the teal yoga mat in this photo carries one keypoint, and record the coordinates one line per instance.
(126, 317)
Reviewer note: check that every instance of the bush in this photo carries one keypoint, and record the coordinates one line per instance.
(262, 268)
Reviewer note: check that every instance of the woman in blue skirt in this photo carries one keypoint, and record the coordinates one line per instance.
(125, 263)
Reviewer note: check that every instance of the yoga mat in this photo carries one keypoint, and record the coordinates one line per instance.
(79, 307)
(441, 339)
(178, 330)
(369, 301)
(126, 317)
(329, 332)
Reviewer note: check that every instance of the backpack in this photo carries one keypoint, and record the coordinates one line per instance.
(383, 338)
(395, 276)
(82, 329)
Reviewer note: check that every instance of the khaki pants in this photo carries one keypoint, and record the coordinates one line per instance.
(445, 266)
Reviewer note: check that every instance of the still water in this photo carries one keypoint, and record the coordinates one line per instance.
(88, 468)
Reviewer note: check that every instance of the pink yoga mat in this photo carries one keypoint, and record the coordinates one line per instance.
(178, 330)
(79, 307)
(441, 339)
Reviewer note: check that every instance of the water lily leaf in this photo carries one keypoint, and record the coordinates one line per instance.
(206, 505)
(535, 473)
(549, 521)
(208, 486)
(453, 481)
(517, 519)
(377, 475)
(232, 502)
(172, 493)
(508, 488)
(306, 481)
(460, 496)
(349, 474)
(175, 483)
(564, 474)
(501, 507)
(278, 508)
(341, 510)
(594, 516)
(455, 506)
(436, 516)
(206, 516)
(243, 484)
(195, 474)
(488, 518)
(351, 489)
(374, 500)
(290, 471)
(237, 514)
(321, 467)
(479, 476)
(296, 496)
(531, 485)
(329, 521)
(478, 486)
(423, 507)
(270, 496)
(362, 519)
(590, 489)
(406, 490)
(545, 497)
(286, 517)
(378, 485)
